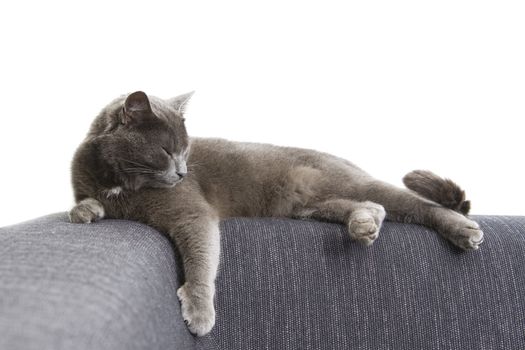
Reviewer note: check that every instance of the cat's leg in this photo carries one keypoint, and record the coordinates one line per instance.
(406, 206)
(363, 219)
(86, 211)
(196, 235)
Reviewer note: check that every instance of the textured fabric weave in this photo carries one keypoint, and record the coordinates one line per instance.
(109, 285)
(283, 284)
(305, 285)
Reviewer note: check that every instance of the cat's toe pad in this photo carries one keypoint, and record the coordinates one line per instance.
(87, 211)
(364, 228)
(469, 238)
(198, 311)
(467, 235)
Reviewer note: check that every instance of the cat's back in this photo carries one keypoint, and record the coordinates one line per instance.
(240, 155)
(217, 147)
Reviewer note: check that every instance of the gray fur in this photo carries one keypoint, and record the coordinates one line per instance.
(87, 211)
(433, 187)
(128, 165)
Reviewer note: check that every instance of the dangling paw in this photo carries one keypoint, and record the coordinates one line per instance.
(197, 308)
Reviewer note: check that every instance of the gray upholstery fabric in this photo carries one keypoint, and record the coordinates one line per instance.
(304, 285)
(109, 285)
(283, 284)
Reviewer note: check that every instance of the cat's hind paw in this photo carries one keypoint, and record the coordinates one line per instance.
(86, 211)
(365, 223)
(467, 236)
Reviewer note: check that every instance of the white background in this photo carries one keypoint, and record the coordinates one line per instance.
(390, 85)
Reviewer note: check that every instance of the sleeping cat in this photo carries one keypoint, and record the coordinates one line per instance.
(137, 162)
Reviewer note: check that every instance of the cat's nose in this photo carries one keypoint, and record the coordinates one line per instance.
(181, 174)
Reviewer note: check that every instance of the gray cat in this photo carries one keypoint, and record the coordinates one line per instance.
(138, 163)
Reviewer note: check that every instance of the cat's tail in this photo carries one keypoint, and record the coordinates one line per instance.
(443, 191)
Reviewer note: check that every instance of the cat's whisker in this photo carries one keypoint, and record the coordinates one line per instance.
(194, 165)
(140, 171)
(134, 162)
(138, 168)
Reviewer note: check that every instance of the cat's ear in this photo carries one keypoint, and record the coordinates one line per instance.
(180, 102)
(136, 108)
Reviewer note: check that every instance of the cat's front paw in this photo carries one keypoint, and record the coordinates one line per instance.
(466, 235)
(86, 211)
(365, 223)
(197, 308)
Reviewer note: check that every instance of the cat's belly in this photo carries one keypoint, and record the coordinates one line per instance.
(278, 196)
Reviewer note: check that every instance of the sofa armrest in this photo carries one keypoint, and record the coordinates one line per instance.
(108, 285)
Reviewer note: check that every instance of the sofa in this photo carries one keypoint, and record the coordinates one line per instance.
(282, 284)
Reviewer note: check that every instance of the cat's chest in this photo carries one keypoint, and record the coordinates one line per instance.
(119, 203)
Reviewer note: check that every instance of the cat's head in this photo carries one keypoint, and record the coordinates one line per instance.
(142, 142)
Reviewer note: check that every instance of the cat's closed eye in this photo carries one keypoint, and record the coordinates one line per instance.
(165, 150)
